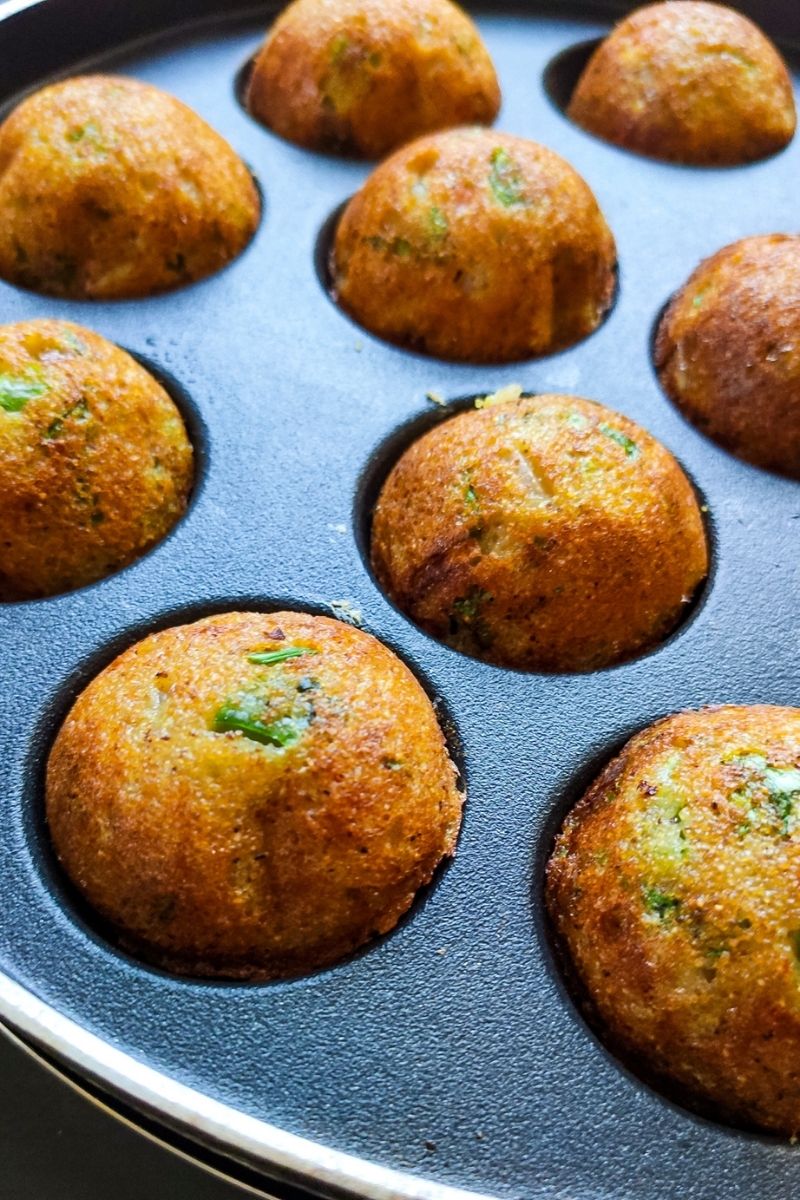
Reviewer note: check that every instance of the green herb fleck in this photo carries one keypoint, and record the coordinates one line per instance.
(622, 439)
(17, 390)
(375, 59)
(398, 245)
(471, 498)
(782, 781)
(778, 786)
(97, 517)
(469, 606)
(466, 613)
(89, 132)
(79, 410)
(660, 903)
(505, 179)
(577, 420)
(283, 732)
(392, 764)
(741, 59)
(339, 47)
(437, 222)
(265, 658)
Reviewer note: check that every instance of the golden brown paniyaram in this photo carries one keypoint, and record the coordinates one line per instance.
(728, 350)
(690, 82)
(252, 795)
(673, 888)
(111, 188)
(364, 76)
(95, 461)
(543, 533)
(475, 245)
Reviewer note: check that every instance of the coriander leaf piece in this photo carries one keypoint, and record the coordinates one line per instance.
(505, 179)
(622, 439)
(265, 658)
(660, 903)
(17, 390)
(283, 732)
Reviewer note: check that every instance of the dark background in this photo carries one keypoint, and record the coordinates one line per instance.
(57, 1145)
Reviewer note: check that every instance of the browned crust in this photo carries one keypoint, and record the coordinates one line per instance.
(528, 535)
(473, 245)
(705, 995)
(689, 82)
(214, 855)
(728, 350)
(94, 469)
(111, 188)
(364, 76)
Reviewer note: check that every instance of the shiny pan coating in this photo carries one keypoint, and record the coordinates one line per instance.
(673, 886)
(364, 76)
(96, 465)
(111, 188)
(728, 350)
(689, 82)
(544, 533)
(476, 246)
(252, 795)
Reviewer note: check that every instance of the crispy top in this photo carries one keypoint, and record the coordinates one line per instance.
(728, 350)
(95, 462)
(111, 188)
(674, 884)
(688, 81)
(252, 794)
(475, 245)
(365, 76)
(547, 533)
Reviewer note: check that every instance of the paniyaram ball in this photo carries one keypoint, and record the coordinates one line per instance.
(673, 891)
(728, 350)
(546, 533)
(252, 795)
(111, 188)
(364, 76)
(690, 82)
(96, 465)
(476, 246)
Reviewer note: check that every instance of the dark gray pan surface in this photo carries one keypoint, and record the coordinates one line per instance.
(450, 1049)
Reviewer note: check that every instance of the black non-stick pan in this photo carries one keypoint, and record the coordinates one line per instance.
(450, 1054)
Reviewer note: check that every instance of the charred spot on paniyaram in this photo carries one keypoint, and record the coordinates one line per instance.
(727, 350)
(111, 188)
(477, 246)
(365, 76)
(96, 465)
(540, 532)
(672, 889)
(689, 82)
(253, 795)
